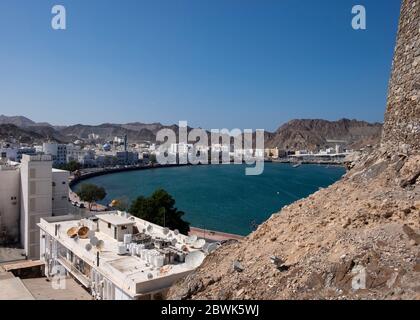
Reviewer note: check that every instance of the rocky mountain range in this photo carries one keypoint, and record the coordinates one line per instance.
(314, 134)
(294, 135)
(21, 121)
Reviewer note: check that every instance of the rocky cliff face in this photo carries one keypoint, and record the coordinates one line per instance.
(358, 238)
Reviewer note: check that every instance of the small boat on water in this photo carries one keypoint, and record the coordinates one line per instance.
(297, 165)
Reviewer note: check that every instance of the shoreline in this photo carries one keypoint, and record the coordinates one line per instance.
(104, 171)
(214, 236)
(209, 235)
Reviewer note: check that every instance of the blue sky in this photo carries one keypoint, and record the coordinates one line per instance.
(215, 63)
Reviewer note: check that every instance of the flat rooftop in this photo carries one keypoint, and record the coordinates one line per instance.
(130, 273)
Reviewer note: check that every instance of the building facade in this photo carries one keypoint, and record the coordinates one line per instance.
(30, 191)
(57, 151)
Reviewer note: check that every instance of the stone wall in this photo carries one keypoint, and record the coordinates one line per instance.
(402, 118)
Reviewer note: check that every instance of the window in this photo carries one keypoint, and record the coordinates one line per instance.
(32, 173)
(123, 227)
(32, 204)
(109, 226)
(53, 184)
(32, 188)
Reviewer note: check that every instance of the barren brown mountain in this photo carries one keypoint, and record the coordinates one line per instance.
(314, 134)
(359, 238)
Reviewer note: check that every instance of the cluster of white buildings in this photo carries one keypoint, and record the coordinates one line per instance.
(186, 148)
(101, 155)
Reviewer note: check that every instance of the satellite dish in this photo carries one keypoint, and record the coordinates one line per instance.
(100, 245)
(91, 234)
(88, 247)
(149, 228)
(194, 259)
(176, 232)
(165, 231)
(198, 244)
(94, 241)
(170, 235)
(72, 232)
(149, 276)
(83, 232)
(174, 242)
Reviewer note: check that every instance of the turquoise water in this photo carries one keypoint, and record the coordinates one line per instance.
(221, 197)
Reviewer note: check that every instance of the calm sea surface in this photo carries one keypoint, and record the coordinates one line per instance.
(221, 197)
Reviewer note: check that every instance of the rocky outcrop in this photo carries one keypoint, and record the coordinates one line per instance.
(358, 239)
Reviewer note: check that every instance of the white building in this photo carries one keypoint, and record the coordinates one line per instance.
(142, 266)
(8, 153)
(93, 136)
(36, 196)
(28, 191)
(82, 156)
(57, 151)
(118, 140)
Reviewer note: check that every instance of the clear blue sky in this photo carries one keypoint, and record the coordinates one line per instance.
(215, 63)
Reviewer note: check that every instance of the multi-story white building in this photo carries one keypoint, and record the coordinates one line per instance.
(36, 190)
(28, 191)
(83, 156)
(57, 151)
(8, 153)
(117, 256)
